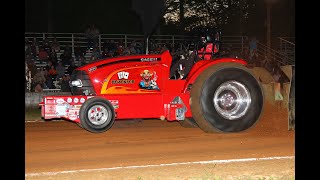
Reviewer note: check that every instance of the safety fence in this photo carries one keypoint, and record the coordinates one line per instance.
(74, 39)
(282, 55)
(271, 55)
(287, 47)
(285, 54)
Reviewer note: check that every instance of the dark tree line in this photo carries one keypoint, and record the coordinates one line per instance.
(235, 17)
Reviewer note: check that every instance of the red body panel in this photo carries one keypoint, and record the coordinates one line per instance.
(136, 86)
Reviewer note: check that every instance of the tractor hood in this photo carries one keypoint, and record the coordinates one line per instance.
(120, 60)
(100, 76)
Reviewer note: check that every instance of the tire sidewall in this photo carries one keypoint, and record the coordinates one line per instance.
(87, 124)
(207, 117)
(188, 123)
(207, 105)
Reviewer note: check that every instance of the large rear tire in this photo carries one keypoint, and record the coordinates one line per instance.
(189, 123)
(97, 115)
(226, 98)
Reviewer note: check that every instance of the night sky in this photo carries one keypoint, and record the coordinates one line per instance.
(110, 16)
(118, 17)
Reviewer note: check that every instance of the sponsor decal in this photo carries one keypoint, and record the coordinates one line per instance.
(123, 81)
(73, 116)
(60, 101)
(123, 75)
(149, 80)
(115, 103)
(76, 106)
(82, 100)
(75, 100)
(91, 69)
(148, 59)
(61, 110)
(50, 101)
(69, 100)
(50, 109)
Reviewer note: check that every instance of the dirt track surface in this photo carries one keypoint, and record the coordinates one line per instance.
(63, 146)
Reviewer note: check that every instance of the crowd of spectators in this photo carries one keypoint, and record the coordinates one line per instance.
(51, 69)
(51, 64)
(56, 62)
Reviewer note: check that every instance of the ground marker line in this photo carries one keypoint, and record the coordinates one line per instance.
(159, 165)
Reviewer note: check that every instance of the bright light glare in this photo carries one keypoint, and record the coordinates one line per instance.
(76, 83)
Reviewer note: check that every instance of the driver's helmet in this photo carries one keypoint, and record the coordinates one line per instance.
(209, 38)
(206, 36)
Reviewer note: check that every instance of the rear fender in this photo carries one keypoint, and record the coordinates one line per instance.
(200, 66)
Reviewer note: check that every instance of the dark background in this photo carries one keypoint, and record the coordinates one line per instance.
(68, 16)
(117, 16)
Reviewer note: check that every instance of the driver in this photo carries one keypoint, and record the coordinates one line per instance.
(210, 46)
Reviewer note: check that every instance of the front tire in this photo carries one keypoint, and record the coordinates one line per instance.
(97, 115)
(226, 98)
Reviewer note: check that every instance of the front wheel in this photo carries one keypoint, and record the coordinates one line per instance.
(226, 98)
(97, 115)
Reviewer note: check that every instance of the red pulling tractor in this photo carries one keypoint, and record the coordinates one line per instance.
(215, 94)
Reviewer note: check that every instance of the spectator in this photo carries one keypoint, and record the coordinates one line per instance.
(32, 67)
(38, 88)
(35, 47)
(49, 82)
(28, 59)
(53, 56)
(92, 34)
(253, 47)
(78, 51)
(105, 54)
(48, 66)
(71, 68)
(95, 34)
(39, 77)
(67, 50)
(43, 55)
(66, 56)
(106, 45)
(55, 45)
(60, 70)
(44, 72)
(82, 61)
(89, 37)
(126, 51)
(27, 48)
(65, 87)
(132, 48)
(95, 54)
(52, 72)
(119, 50)
(112, 47)
(46, 46)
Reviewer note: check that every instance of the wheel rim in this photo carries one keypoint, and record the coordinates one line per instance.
(98, 115)
(232, 100)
